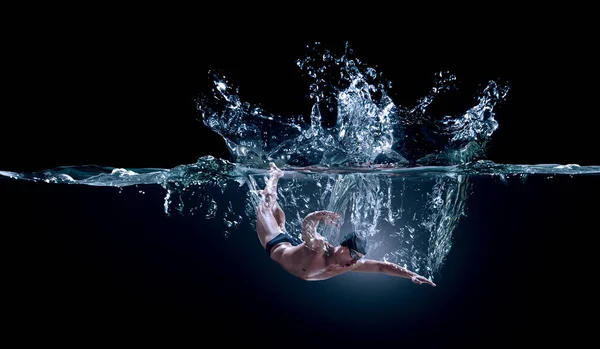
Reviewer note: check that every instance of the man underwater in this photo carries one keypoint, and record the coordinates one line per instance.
(315, 258)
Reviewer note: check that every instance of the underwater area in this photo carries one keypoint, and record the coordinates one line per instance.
(109, 246)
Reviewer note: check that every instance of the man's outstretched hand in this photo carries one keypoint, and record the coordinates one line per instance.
(418, 279)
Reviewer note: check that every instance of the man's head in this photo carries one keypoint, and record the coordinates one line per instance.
(356, 245)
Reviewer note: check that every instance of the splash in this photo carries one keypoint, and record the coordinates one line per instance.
(368, 127)
(399, 175)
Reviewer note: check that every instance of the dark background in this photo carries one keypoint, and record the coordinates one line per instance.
(124, 97)
(91, 265)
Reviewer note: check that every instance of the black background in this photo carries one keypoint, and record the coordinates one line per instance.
(122, 95)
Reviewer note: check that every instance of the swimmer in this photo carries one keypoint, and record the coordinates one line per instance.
(313, 257)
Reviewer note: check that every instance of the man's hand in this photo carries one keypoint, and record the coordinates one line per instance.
(309, 226)
(418, 279)
(329, 217)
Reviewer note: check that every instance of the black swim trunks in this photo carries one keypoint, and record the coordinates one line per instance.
(282, 237)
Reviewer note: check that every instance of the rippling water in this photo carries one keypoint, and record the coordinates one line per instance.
(408, 214)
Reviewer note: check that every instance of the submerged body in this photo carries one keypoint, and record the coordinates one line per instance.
(313, 257)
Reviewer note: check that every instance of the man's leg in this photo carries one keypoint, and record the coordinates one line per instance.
(271, 191)
(270, 220)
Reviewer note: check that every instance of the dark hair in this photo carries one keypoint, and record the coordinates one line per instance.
(355, 241)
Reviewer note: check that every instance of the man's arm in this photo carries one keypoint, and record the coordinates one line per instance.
(373, 266)
(309, 227)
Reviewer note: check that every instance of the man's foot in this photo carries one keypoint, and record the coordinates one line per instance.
(271, 182)
(274, 171)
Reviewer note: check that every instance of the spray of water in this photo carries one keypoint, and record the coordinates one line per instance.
(369, 127)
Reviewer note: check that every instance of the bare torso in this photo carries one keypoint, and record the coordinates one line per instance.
(309, 264)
